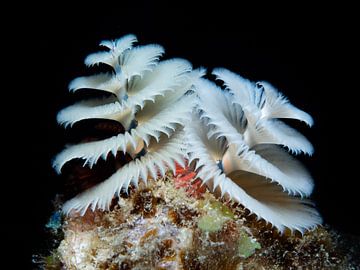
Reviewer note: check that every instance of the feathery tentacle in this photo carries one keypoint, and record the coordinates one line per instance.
(170, 113)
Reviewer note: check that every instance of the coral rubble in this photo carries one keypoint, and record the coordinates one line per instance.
(161, 226)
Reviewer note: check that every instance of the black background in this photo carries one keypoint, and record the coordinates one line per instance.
(306, 52)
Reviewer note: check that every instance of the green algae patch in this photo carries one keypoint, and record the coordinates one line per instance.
(216, 215)
(222, 210)
(210, 223)
(247, 245)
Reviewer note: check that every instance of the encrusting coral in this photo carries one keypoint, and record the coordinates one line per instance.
(170, 114)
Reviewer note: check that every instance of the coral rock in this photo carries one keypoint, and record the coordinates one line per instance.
(163, 227)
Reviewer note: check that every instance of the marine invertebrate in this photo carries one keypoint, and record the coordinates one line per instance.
(149, 98)
(169, 113)
(236, 150)
(186, 178)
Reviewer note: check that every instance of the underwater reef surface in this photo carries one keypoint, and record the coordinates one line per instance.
(176, 223)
